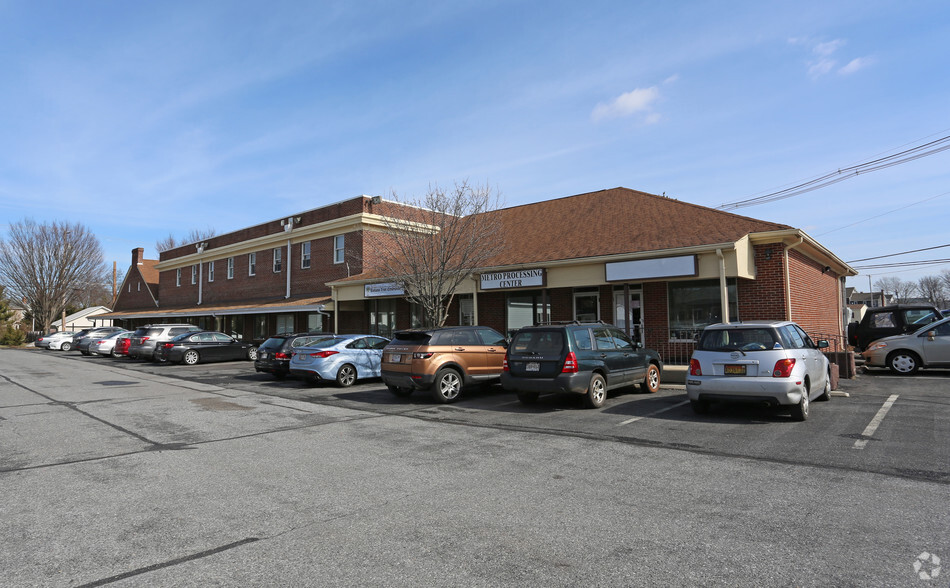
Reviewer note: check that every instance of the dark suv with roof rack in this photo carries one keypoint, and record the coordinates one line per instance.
(577, 358)
(444, 360)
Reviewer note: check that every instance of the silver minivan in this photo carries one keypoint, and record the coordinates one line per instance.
(772, 363)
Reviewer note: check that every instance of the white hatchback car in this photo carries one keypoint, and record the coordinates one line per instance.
(62, 340)
(772, 363)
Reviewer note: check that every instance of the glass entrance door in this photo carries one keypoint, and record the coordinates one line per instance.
(632, 315)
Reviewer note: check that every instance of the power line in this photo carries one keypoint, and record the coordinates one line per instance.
(901, 253)
(882, 214)
(929, 148)
(923, 262)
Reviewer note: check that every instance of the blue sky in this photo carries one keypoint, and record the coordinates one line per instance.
(144, 119)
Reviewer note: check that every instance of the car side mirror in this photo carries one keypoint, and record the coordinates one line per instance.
(822, 344)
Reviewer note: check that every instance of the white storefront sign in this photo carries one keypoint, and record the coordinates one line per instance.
(384, 289)
(513, 279)
(645, 269)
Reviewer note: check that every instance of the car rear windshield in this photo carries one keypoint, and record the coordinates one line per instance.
(745, 339)
(273, 343)
(154, 332)
(411, 338)
(536, 342)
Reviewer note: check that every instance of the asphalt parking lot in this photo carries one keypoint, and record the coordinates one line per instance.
(130, 474)
(918, 417)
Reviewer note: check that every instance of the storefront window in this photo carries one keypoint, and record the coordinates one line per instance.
(586, 304)
(382, 318)
(693, 305)
(466, 310)
(525, 309)
(415, 315)
(260, 327)
(315, 322)
(285, 323)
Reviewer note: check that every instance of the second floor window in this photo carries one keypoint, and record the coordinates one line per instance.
(210, 271)
(178, 277)
(277, 260)
(194, 275)
(305, 255)
(230, 268)
(338, 249)
(252, 264)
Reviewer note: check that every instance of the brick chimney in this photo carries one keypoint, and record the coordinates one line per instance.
(137, 255)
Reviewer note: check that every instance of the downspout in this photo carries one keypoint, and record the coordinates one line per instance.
(723, 286)
(201, 249)
(475, 301)
(788, 285)
(336, 310)
(289, 264)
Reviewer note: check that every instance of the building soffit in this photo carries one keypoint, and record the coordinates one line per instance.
(346, 224)
(809, 246)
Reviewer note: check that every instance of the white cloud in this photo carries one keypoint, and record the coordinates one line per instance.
(827, 48)
(628, 103)
(855, 65)
(821, 67)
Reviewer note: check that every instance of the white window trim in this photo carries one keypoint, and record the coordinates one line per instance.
(230, 268)
(178, 277)
(194, 275)
(252, 264)
(305, 255)
(339, 251)
(210, 271)
(278, 259)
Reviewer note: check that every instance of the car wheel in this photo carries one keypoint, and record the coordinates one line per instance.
(252, 353)
(903, 362)
(528, 397)
(448, 386)
(84, 352)
(826, 394)
(401, 392)
(190, 357)
(346, 376)
(800, 410)
(699, 406)
(596, 392)
(651, 383)
(114, 353)
(66, 346)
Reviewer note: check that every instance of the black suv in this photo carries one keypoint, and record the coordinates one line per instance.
(578, 358)
(884, 321)
(273, 355)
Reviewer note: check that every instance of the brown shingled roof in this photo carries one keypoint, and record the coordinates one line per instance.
(150, 273)
(614, 221)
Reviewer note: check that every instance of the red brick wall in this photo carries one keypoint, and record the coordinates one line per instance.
(139, 297)
(816, 305)
(764, 297)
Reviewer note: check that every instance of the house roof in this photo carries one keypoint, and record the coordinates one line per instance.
(150, 273)
(614, 221)
(263, 306)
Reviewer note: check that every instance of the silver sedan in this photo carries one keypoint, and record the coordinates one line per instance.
(928, 347)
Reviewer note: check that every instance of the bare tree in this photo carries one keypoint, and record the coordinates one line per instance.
(194, 236)
(932, 288)
(439, 243)
(901, 289)
(47, 264)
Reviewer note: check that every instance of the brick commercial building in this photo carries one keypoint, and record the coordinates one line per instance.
(657, 267)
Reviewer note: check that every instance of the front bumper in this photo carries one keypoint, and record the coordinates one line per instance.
(756, 390)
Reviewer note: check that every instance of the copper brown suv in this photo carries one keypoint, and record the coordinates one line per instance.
(444, 360)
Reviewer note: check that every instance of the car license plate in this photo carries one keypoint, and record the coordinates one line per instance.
(735, 370)
(262, 355)
(532, 366)
(395, 357)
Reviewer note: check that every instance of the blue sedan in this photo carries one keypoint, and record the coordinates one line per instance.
(344, 358)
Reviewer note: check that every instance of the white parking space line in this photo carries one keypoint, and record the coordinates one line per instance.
(875, 422)
(656, 412)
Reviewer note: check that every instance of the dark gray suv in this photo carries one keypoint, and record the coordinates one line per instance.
(577, 358)
(145, 339)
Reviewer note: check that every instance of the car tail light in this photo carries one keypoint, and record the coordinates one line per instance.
(422, 355)
(282, 355)
(99, 342)
(142, 340)
(570, 364)
(168, 345)
(325, 353)
(694, 369)
(783, 368)
(504, 364)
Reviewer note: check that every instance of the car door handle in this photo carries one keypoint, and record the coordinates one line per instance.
(460, 349)
(603, 356)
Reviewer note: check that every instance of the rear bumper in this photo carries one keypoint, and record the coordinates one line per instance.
(770, 391)
(571, 383)
(408, 380)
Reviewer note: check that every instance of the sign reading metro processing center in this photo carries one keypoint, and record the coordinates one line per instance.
(513, 279)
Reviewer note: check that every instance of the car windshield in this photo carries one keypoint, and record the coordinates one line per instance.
(744, 339)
